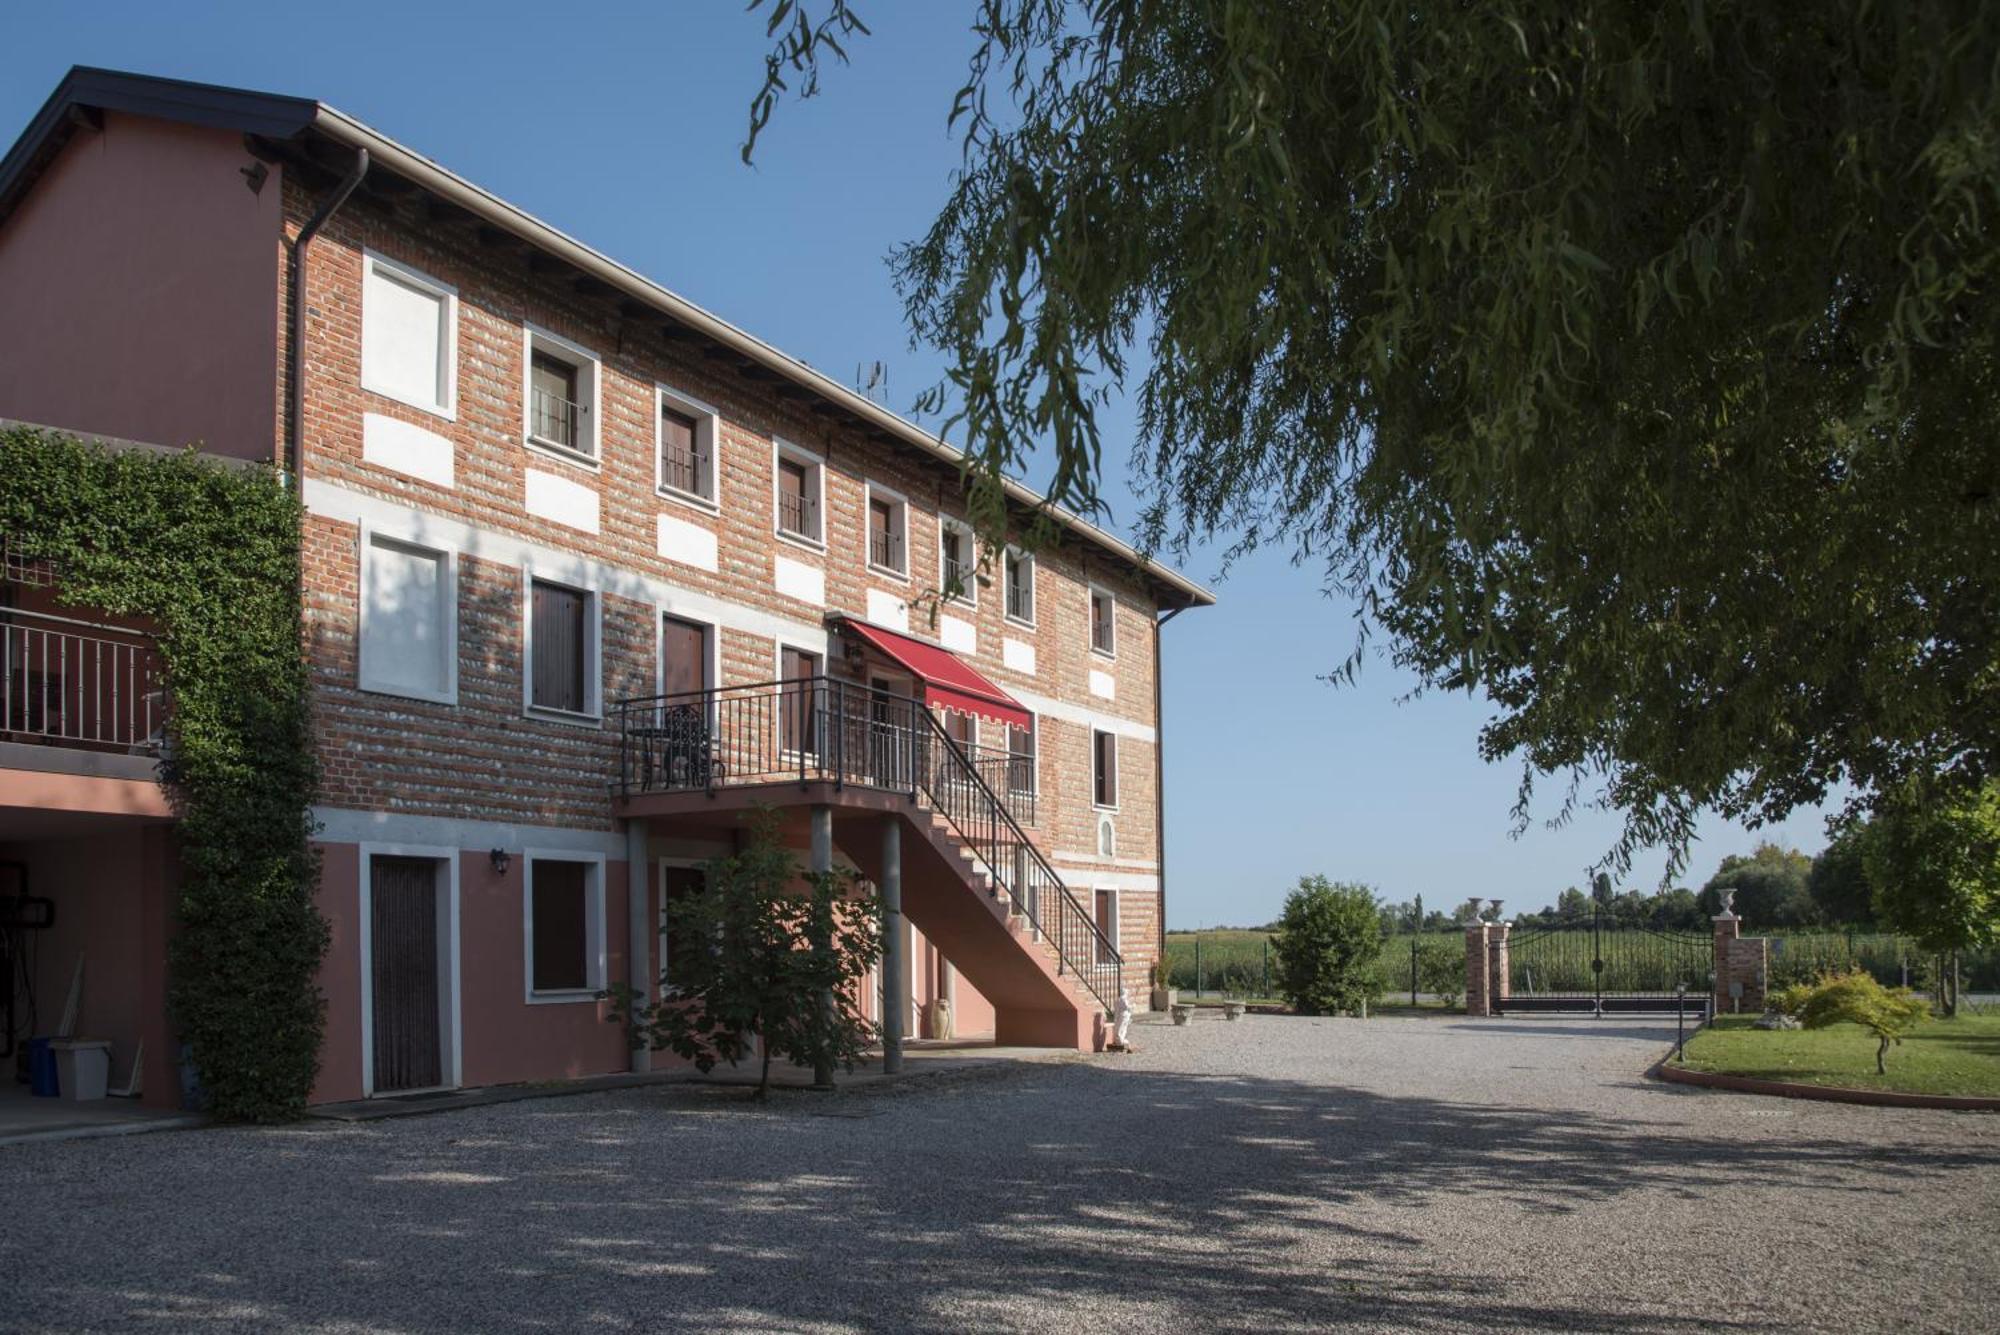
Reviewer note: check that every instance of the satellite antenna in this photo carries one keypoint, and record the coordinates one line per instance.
(873, 380)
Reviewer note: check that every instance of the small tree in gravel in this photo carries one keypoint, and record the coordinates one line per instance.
(1856, 998)
(1329, 947)
(767, 951)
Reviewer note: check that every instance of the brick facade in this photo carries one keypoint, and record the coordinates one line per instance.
(484, 757)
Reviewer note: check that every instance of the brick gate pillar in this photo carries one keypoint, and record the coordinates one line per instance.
(1727, 928)
(1477, 994)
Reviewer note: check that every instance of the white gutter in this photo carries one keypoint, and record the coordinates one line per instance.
(428, 174)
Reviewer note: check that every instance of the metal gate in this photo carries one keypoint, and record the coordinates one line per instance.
(1594, 962)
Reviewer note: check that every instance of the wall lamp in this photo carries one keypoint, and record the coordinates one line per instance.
(500, 861)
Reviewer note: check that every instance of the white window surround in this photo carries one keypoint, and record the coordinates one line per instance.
(1117, 790)
(969, 560)
(899, 506)
(1027, 560)
(711, 644)
(1117, 912)
(595, 951)
(1097, 591)
(815, 488)
(589, 396)
(450, 1009)
(376, 375)
(593, 665)
(373, 673)
(707, 436)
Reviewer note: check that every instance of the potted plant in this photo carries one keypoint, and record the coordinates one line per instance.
(1164, 997)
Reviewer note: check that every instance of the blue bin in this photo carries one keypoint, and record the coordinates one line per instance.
(41, 1069)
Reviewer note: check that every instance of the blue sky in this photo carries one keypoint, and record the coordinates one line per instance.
(624, 131)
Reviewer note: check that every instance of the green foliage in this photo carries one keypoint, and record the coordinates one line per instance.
(211, 556)
(1770, 884)
(1856, 998)
(778, 953)
(1328, 953)
(1441, 968)
(1932, 855)
(1630, 364)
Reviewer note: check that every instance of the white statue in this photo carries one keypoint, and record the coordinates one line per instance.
(1120, 1034)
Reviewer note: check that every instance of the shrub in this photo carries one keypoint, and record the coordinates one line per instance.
(1856, 998)
(1441, 969)
(1329, 947)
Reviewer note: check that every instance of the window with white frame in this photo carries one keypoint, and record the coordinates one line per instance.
(409, 619)
(1103, 626)
(1107, 926)
(564, 923)
(956, 562)
(800, 492)
(1103, 768)
(560, 396)
(888, 531)
(1021, 759)
(690, 434)
(1020, 579)
(562, 648)
(409, 336)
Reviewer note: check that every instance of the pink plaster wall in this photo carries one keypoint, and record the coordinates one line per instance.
(340, 974)
(99, 886)
(506, 1038)
(139, 291)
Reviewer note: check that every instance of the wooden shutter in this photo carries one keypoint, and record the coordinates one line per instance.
(403, 963)
(1107, 923)
(558, 649)
(1105, 765)
(683, 657)
(561, 919)
(678, 465)
(796, 703)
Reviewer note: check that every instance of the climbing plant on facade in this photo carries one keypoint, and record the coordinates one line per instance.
(210, 555)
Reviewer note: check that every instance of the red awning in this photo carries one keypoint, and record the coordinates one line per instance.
(949, 682)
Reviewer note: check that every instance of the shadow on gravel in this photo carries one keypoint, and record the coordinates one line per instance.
(1231, 1202)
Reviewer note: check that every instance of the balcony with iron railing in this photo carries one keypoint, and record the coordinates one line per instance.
(798, 515)
(885, 550)
(67, 682)
(554, 420)
(684, 470)
(823, 730)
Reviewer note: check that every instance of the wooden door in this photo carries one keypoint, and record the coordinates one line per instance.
(683, 658)
(403, 946)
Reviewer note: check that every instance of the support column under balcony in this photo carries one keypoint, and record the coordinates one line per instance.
(895, 955)
(822, 862)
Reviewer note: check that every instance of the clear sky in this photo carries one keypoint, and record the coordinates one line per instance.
(621, 125)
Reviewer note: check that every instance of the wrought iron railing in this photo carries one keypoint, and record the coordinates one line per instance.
(683, 470)
(66, 682)
(885, 549)
(798, 515)
(1020, 601)
(820, 728)
(554, 419)
(1009, 775)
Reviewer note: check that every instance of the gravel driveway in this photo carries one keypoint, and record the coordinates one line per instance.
(1270, 1174)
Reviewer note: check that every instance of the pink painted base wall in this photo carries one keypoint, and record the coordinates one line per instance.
(113, 895)
(505, 1038)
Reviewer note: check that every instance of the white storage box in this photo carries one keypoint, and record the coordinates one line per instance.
(83, 1067)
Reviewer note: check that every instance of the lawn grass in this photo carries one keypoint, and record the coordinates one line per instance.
(1960, 1056)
